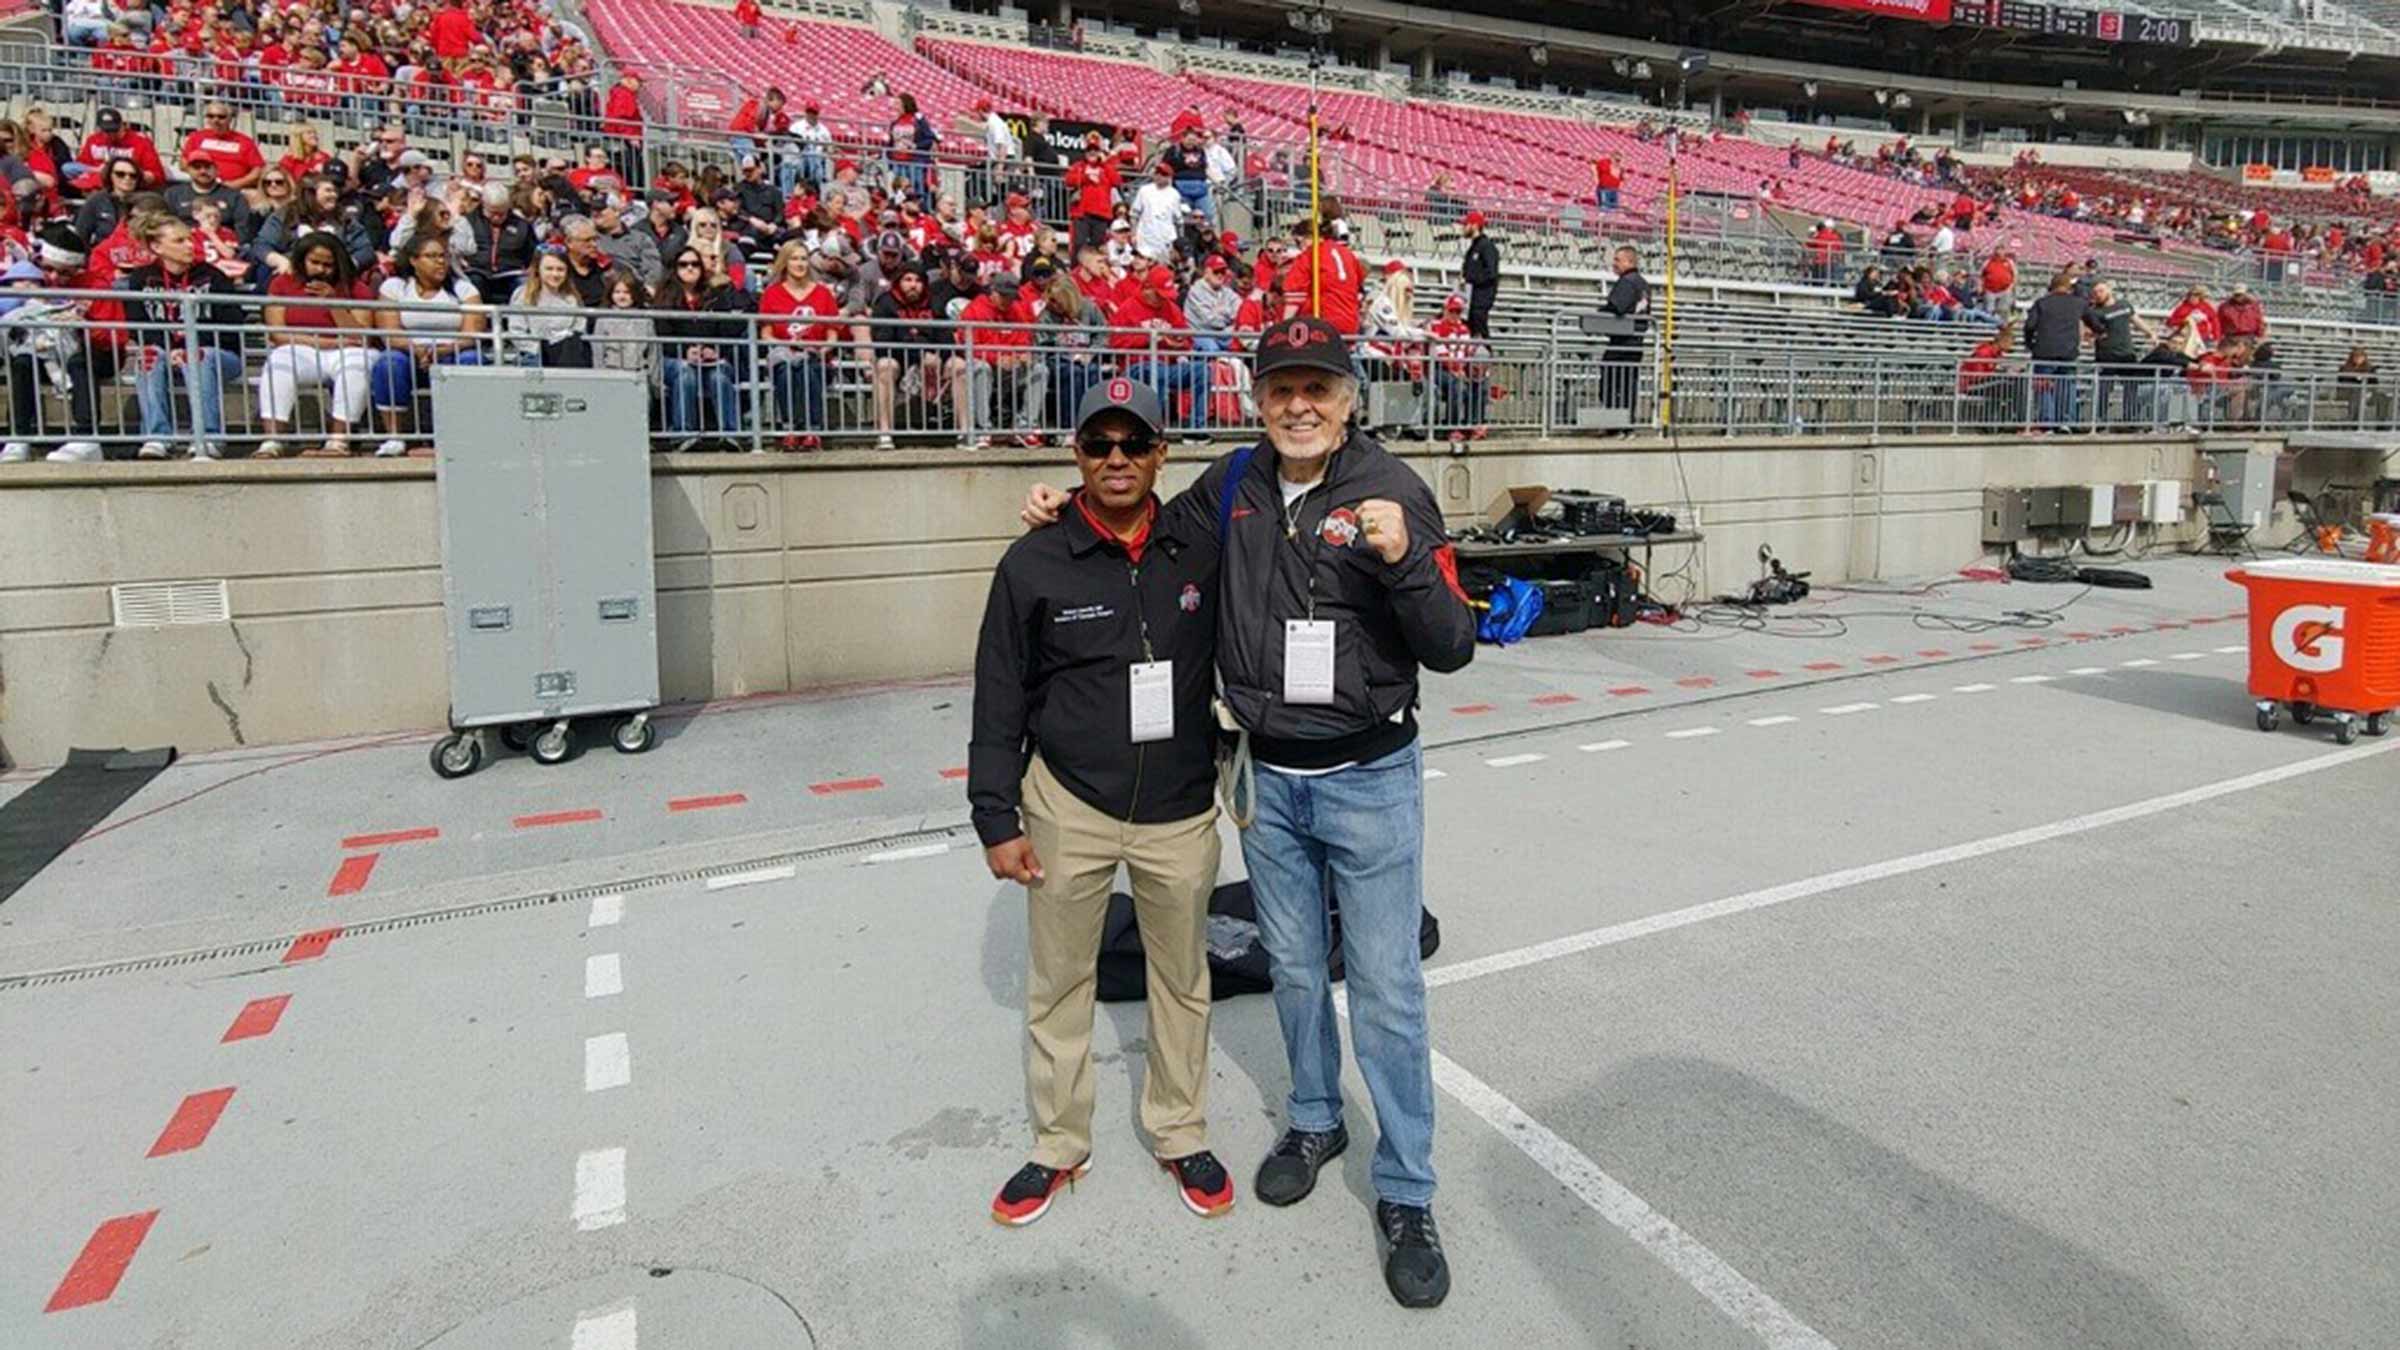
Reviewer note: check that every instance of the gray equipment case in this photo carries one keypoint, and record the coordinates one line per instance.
(547, 578)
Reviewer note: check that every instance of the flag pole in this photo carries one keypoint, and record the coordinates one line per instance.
(1666, 370)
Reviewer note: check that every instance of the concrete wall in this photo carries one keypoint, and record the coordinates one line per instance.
(778, 573)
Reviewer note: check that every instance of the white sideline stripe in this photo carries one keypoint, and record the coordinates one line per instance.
(904, 854)
(2032, 679)
(1778, 720)
(2137, 663)
(599, 1188)
(607, 1062)
(1689, 732)
(603, 975)
(2187, 656)
(1604, 745)
(1512, 761)
(753, 877)
(606, 910)
(1913, 698)
(1845, 709)
(1893, 867)
(2089, 670)
(2228, 651)
(1750, 1307)
(1974, 688)
(610, 1328)
(1431, 774)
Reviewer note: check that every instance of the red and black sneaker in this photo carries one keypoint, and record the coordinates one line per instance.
(1027, 1195)
(1202, 1181)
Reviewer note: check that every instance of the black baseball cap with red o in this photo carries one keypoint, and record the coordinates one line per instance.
(1117, 394)
(1306, 342)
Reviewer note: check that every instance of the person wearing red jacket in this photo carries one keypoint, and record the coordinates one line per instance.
(1324, 281)
(1607, 180)
(110, 139)
(746, 13)
(1091, 184)
(1156, 339)
(621, 122)
(1990, 376)
(2240, 316)
(1262, 306)
(1006, 385)
(2195, 306)
(1462, 380)
(801, 334)
(452, 31)
(2277, 248)
(1825, 249)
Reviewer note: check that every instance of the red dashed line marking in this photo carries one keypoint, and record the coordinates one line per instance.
(1474, 709)
(1934, 653)
(2083, 637)
(1765, 674)
(708, 803)
(102, 1263)
(1883, 660)
(2033, 642)
(1822, 665)
(193, 1120)
(2165, 625)
(1627, 691)
(955, 773)
(352, 878)
(2205, 618)
(1696, 682)
(391, 837)
(1555, 700)
(257, 1018)
(845, 785)
(585, 816)
(310, 946)
(1984, 647)
(2122, 630)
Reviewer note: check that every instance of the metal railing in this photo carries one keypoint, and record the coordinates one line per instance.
(213, 380)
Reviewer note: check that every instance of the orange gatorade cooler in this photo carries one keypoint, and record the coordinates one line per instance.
(2324, 638)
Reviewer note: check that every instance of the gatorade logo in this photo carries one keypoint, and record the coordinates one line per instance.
(2308, 638)
(1120, 391)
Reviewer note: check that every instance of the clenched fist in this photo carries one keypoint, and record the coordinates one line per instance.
(1014, 861)
(1384, 527)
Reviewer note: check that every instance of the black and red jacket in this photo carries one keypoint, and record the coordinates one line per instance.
(157, 306)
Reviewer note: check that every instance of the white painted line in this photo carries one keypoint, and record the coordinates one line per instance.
(2137, 663)
(2032, 679)
(1778, 720)
(1689, 732)
(2228, 651)
(1512, 761)
(1749, 1306)
(599, 1189)
(603, 975)
(1604, 745)
(2089, 670)
(610, 1328)
(913, 851)
(1974, 688)
(606, 910)
(1845, 709)
(1894, 867)
(607, 1062)
(1912, 698)
(2189, 656)
(753, 877)
(1431, 774)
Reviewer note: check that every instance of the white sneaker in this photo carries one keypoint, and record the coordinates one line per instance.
(206, 450)
(391, 449)
(152, 450)
(76, 452)
(269, 450)
(15, 452)
(883, 442)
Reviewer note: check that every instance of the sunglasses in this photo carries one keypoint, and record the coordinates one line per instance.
(1101, 447)
(688, 265)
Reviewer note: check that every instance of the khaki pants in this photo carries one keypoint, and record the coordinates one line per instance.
(1174, 869)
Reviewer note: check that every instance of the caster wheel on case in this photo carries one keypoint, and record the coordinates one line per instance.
(552, 745)
(635, 734)
(516, 736)
(2304, 713)
(2269, 719)
(457, 754)
(2345, 731)
(2375, 724)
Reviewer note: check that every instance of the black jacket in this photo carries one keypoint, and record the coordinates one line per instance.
(1480, 269)
(500, 250)
(1388, 620)
(699, 326)
(1628, 296)
(2054, 326)
(1065, 623)
(155, 310)
(902, 335)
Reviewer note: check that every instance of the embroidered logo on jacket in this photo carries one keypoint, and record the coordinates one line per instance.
(1189, 601)
(1340, 528)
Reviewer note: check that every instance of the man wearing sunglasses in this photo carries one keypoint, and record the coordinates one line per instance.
(1092, 748)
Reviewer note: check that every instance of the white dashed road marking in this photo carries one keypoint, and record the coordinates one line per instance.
(2089, 670)
(606, 910)
(600, 1189)
(753, 877)
(2137, 663)
(1689, 732)
(1913, 698)
(1512, 761)
(1845, 709)
(1604, 745)
(603, 975)
(2033, 679)
(2188, 656)
(610, 1328)
(904, 854)
(607, 1062)
(1431, 774)
(2228, 651)
(1974, 688)
(1778, 720)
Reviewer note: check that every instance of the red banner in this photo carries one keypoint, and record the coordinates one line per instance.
(1924, 11)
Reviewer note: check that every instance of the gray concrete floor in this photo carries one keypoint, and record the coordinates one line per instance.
(2088, 1050)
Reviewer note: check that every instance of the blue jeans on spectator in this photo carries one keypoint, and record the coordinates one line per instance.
(1459, 399)
(810, 164)
(1195, 193)
(700, 396)
(392, 381)
(800, 392)
(1168, 376)
(1211, 343)
(1605, 198)
(161, 410)
(1356, 836)
(2054, 393)
(1070, 379)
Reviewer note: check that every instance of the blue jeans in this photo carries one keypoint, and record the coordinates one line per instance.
(2054, 393)
(810, 165)
(800, 392)
(1070, 379)
(1195, 193)
(1359, 836)
(1605, 198)
(392, 380)
(208, 374)
(690, 387)
(1169, 376)
(1460, 400)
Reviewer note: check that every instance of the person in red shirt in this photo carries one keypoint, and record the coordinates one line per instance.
(1001, 370)
(1155, 337)
(365, 78)
(1988, 376)
(1999, 280)
(2240, 316)
(1825, 249)
(598, 178)
(1462, 380)
(237, 157)
(621, 121)
(1262, 306)
(801, 332)
(2196, 306)
(110, 139)
(745, 13)
(452, 31)
(1018, 230)
(2277, 248)
(1091, 184)
(1325, 281)
(1607, 180)
(305, 157)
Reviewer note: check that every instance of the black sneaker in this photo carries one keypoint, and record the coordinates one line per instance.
(1202, 1181)
(1027, 1195)
(1414, 1268)
(1290, 1171)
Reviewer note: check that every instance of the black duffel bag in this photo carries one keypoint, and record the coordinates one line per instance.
(1237, 961)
